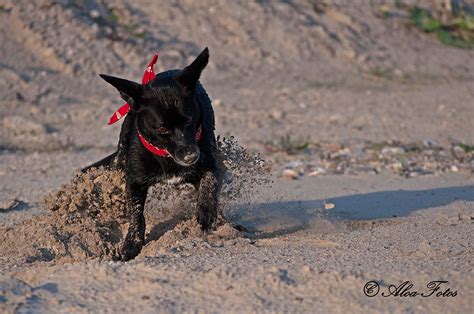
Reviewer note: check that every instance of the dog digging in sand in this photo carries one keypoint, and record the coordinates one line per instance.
(167, 135)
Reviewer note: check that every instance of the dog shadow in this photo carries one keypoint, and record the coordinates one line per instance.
(271, 219)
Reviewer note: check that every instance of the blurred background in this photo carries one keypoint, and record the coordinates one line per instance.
(318, 87)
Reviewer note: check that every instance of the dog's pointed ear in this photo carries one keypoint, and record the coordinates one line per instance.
(130, 91)
(189, 76)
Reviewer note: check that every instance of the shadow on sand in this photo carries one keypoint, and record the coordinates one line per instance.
(284, 217)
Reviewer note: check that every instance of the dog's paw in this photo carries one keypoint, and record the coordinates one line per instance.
(130, 249)
(206, 220)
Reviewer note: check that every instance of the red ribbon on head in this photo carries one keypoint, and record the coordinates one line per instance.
(147, 76)
(122, 111)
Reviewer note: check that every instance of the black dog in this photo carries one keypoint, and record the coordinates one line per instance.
(172, 112)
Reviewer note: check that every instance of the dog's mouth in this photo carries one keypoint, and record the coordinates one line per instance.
(188, 159)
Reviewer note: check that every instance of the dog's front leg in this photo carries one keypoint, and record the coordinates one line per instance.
(207, 200)
(136, 196)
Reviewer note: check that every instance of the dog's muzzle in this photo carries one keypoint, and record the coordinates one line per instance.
(188, 158)
(191, 158)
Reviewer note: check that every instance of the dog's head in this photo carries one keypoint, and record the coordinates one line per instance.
(166, 112)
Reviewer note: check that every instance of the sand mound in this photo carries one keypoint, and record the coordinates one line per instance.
(87, 221)
(186, 233)
(88, 214)
(98, 193)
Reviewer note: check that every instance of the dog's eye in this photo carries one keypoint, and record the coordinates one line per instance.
(162, 130)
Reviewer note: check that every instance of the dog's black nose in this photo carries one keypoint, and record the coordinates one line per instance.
(191, 158)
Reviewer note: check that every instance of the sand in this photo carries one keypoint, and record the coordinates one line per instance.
(321, 80)
(88, 216)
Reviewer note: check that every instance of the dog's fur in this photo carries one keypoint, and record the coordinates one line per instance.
(167, 111)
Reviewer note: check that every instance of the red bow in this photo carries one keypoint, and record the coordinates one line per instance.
(147, 76)
(122, 111)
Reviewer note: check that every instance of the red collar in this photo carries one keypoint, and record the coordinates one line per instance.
(161, 151)
(122, 111)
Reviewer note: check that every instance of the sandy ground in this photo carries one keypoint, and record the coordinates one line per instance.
(337, 75)
(299, 257)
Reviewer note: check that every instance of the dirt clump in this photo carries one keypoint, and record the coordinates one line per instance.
(98, 193)
(87, 220)
(88, 217)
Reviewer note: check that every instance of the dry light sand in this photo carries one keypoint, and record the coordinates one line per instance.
(310, 85)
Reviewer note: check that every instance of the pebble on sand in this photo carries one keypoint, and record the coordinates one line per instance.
(318, 171)
(329, 206)
(392, 150)
(277, 114)
(290, 174)
(217, 102)
(94, 14)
